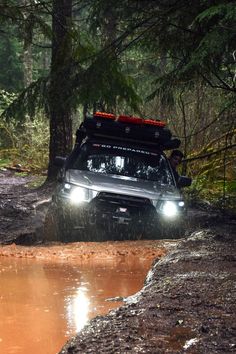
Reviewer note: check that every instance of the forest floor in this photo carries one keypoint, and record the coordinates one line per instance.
(188, 302)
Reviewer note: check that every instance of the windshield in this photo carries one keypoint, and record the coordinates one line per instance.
(124, 161)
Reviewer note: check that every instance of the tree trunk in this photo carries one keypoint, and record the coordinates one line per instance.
(27, 58)
(27, 64)
(60, 113)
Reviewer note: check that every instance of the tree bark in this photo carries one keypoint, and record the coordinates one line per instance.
(60, 112)
(27, 47)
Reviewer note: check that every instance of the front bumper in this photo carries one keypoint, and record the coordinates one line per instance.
(113, 212)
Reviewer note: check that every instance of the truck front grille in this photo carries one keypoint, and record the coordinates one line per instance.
(123, 200)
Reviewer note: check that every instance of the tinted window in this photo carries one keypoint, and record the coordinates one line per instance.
(123, 160)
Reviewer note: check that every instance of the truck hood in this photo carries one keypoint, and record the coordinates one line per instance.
(122, 185)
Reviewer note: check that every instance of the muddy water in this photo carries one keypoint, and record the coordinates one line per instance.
(43, 303)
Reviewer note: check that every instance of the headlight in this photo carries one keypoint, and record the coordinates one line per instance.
(78, 194)
(169, 209)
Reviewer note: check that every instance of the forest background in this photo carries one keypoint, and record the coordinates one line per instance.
(173, 60)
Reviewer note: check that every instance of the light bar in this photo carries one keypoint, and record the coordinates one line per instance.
(130, 119)
(105, 115)
(157, 123)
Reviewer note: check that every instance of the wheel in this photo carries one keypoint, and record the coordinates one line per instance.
(50, 226)
(58, 225)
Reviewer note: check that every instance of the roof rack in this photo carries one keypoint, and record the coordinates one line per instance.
(128, 128)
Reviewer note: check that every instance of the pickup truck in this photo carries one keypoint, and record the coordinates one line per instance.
(117, 182)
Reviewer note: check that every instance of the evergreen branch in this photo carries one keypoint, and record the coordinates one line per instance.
(136, 39)
(211, 84)
(223, 82)
(44, 46)
(29, 100)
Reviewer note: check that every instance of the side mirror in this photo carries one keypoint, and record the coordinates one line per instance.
(59, 161)
(184, 181)
(172, 144)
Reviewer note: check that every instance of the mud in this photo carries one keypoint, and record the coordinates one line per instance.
(188, 302)
(188, 305)
(22, 209)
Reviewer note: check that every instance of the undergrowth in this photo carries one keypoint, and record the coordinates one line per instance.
(25, 144)
(220, 194)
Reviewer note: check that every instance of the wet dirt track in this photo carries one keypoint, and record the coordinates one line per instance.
(187, 304)
(22, 210)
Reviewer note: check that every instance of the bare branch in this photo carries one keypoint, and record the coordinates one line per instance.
(210, 153)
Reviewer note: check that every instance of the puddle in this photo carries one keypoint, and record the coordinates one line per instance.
(44, 303)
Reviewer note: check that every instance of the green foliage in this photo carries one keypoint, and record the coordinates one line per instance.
(231, 187)
(10, 10)
(11, 73)
(214, 179)
(38, 181)
(226, 11)
(24, 30)
(6, 138)
(218, 41)
(218, 193)
(104, 82)
(197, 38)
(28, 102)
(40, 24)
(6, 98)
(32, 144)
(28, 144)
(4, 162)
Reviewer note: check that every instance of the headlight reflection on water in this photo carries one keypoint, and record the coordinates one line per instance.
(78, 309)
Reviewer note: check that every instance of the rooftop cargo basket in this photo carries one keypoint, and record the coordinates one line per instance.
(128, 128)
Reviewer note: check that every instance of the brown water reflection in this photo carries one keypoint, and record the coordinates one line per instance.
(43, 303)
